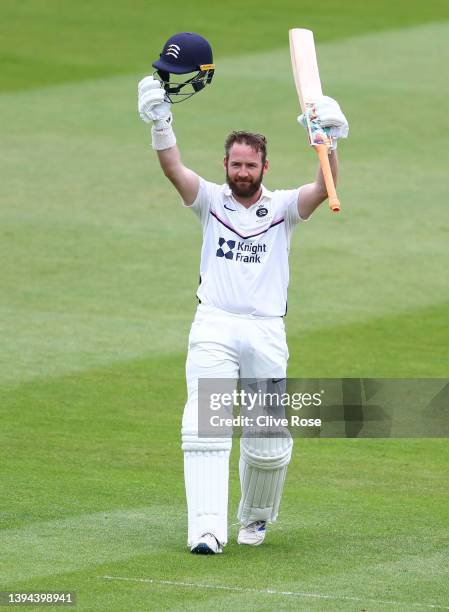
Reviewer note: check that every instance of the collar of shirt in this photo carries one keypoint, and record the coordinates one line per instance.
(265, 193)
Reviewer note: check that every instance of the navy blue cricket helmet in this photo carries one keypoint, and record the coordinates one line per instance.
(185, 53)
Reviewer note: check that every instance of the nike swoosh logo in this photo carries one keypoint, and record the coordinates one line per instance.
(227, 208)
(276, 380)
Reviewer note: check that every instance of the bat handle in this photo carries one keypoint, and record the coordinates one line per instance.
(334, 203)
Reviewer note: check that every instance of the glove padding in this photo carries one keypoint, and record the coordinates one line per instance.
(152, 104)
(330, 116)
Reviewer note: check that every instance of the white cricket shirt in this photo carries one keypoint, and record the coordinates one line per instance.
(244, 258)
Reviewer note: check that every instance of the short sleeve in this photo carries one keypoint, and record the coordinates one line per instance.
(292, 216)
(203, 200)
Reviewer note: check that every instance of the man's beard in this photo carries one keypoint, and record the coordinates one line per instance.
(244, 189)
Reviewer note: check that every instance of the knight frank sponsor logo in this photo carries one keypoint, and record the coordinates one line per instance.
(246, 252)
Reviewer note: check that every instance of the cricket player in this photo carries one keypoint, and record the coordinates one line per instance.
(238, 330)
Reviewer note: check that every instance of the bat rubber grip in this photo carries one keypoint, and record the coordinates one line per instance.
(322, 151)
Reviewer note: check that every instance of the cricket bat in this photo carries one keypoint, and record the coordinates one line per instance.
(308, 86)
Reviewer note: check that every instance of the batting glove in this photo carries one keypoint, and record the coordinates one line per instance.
(330, 116)
(152, 104)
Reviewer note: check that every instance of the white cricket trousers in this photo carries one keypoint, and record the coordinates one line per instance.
(226, 345)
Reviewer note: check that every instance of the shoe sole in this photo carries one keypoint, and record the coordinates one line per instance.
(203, 549)
(251, 543)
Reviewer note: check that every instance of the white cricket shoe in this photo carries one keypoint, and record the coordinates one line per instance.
(253, 534)
(207, 544)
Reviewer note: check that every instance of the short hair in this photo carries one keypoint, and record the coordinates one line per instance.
(257, 142)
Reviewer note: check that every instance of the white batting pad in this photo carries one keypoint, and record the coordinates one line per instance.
(206, 474)
(263, 467)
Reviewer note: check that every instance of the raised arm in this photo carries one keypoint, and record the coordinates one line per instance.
(153, 107)
(186, 181)
(312, 194)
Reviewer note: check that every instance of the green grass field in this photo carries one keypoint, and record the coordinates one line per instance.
(97, 291)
